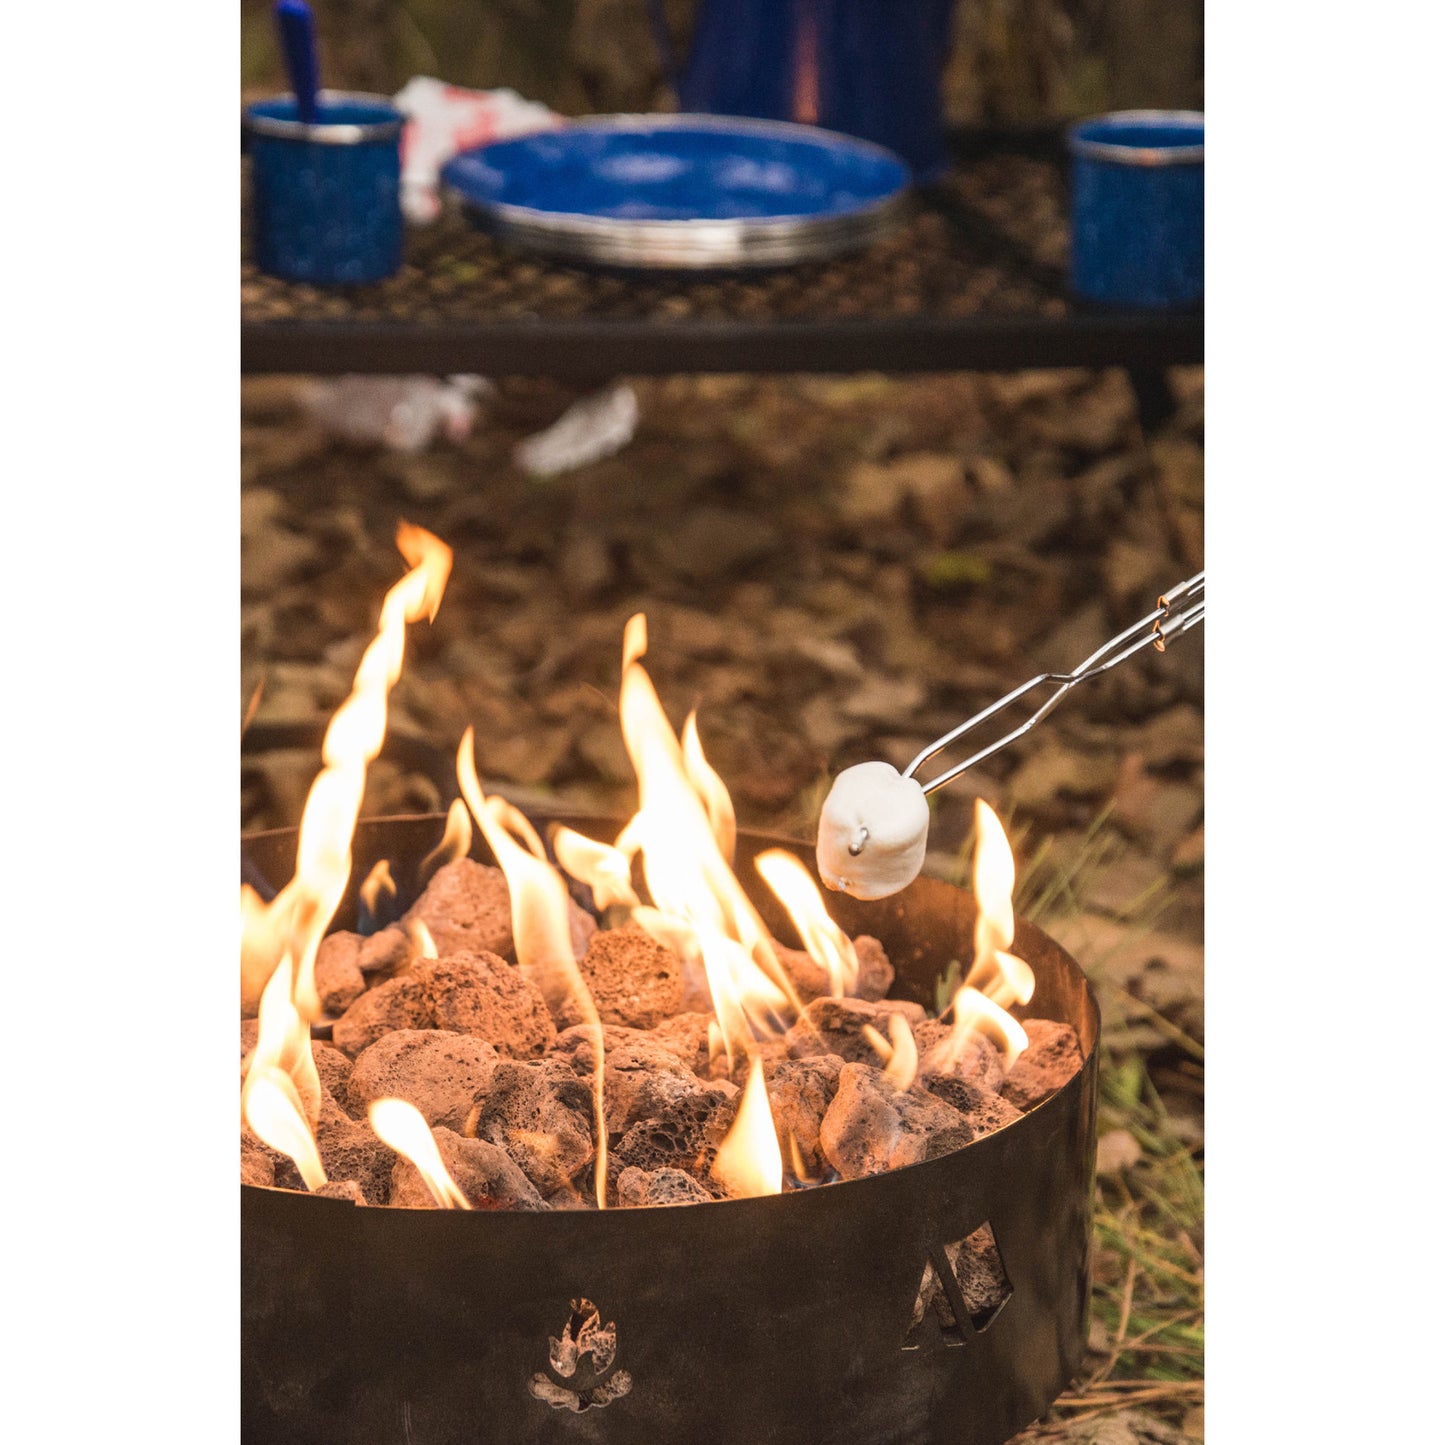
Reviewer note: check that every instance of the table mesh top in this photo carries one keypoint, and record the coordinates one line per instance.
(990, 241)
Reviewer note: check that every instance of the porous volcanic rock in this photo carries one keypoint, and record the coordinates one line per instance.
(799, 1092)
(542, 1114)
(633, 979)
(642, 1188)
(979, 1062)
(339, 979)
(683, 1134)
(836, 1025)
(476, 994)
(487, 1175)
(984, 1110)
(872, 1126)
(1052, 1058)
(438, 1071)
(467, 908)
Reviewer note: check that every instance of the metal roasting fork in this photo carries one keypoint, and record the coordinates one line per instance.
(1176, 611)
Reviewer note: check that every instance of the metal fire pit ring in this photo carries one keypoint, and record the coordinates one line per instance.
(783, 1319)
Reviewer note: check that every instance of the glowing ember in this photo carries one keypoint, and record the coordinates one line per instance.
(749, 1161)
(401, 1126)
(827, 945)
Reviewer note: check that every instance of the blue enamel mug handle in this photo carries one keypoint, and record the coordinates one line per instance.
(297, 29)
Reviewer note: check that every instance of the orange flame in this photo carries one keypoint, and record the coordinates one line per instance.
(400, 1125)
(273, 1110)
(687, 875)
(711, 789)
(827, 945)
(997, 978)
(600, 866)
(421, 939)
(541, 923)
(976, 1013)
(899, 1050)
(456, 842)
(749, 1161)
(902, 1068)
(283, 1044)
(300, 914)
(378, 884)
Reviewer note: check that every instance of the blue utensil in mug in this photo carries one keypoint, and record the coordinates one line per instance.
(326, 197)
(868, 68)
(1138, 208)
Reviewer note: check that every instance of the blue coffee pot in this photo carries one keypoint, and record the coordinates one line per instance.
(868, 68)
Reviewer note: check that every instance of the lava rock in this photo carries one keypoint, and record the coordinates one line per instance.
(467, 908)
(683, 1134)
(984, 1110)
(438, 1071)
(542, 1115)
(1052, 1058)
(476, 994)
(835, 1026)
(386, 953)
(257, 1167)
(487, 1175)
(348, 1151)
(811, 980)
(339, 980)
(978, 1268)
(980, 1063)
(638, 1075)
(643, 1188)
(872, 1126)
(633, 979)
(799, 1092)
(686, 1036)
(333, 1068)
(875, 972)
(341, 1189)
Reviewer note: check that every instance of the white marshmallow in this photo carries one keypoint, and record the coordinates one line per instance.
(885, 815)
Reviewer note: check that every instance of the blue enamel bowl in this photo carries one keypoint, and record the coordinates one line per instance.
(1138, 208)
(684, 191)
(326, 198)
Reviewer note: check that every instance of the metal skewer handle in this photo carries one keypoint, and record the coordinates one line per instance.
(1177, 611)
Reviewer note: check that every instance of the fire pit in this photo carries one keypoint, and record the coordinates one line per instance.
(836, 1313)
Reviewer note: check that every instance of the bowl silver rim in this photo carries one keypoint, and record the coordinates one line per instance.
(697, 242)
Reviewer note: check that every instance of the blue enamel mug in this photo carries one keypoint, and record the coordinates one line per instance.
(1138, 208)
(326, 198)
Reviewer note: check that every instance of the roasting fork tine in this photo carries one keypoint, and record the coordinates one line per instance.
(1176, 612)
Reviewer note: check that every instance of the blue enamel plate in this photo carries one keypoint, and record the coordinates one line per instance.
(683, 191)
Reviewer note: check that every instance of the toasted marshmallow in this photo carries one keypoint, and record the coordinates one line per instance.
(873, 831)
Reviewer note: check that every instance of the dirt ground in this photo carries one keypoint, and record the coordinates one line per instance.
(833, 569)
